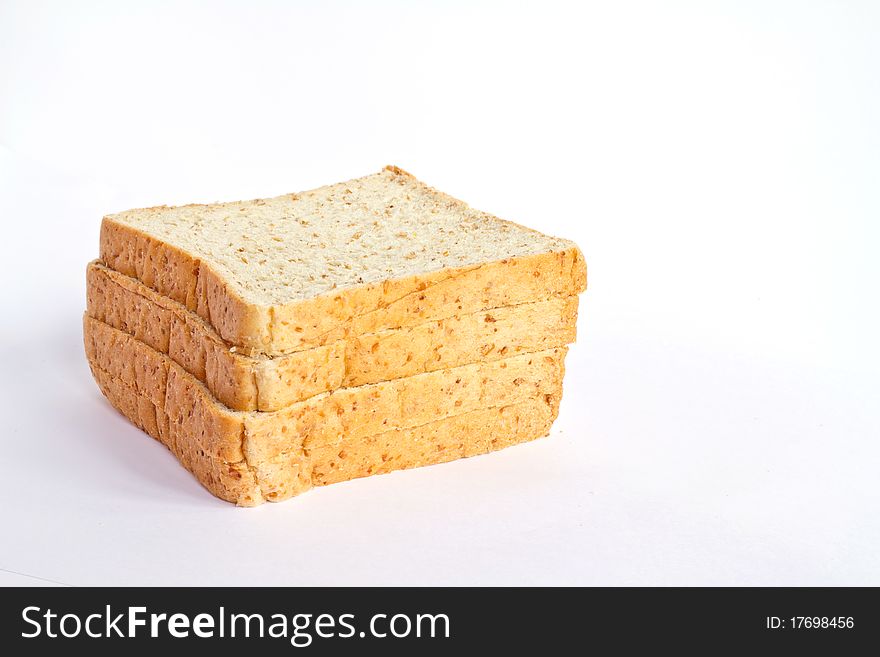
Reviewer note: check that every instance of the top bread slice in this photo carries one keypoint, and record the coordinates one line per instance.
(302, 270)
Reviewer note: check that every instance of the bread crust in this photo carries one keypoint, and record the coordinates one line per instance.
(396, 303)
(245, 382)
(232, 481)
(261, 346)
(287, 475)
(201, 426)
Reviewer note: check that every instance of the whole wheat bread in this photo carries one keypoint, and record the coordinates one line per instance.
(241, 483)
(151, 389)
(303, 270)
(263, 383)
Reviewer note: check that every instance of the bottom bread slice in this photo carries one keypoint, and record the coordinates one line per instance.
(352, 412)
(249, 484)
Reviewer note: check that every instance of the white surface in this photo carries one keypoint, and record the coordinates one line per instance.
(717, 162)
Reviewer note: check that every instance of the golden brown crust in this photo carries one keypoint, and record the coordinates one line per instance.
(323, 319)
(459, 436)
(230, 481)
(292, 473)
(244, 382)
(234, 436)
(239, 381)
(343, 383)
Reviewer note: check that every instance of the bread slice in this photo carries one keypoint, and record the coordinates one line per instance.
(476, 432)
(263, 383)
(203, 428)
(304, 270)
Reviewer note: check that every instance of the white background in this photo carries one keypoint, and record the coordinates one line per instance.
(717, 162)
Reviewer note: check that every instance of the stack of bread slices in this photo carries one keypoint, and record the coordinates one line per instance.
(372, 325)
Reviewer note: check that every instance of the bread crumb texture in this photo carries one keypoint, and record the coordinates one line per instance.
(279, 275)
(383, 226)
